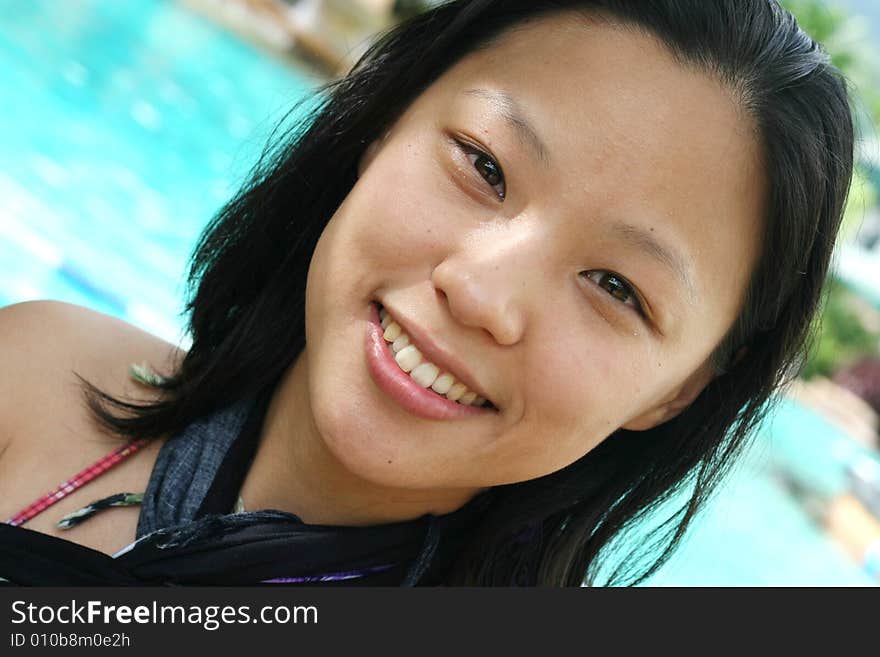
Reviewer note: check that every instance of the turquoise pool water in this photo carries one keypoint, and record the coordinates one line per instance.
(754, 532)
(126, 124)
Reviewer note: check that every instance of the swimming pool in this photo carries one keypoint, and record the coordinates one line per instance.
(127, 124)
(755, 533)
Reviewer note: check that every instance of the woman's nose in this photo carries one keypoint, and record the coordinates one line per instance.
(488, 285)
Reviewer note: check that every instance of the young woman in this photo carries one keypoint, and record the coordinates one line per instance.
(528, 270)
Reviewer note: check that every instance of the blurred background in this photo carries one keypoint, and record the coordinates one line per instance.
(125, 124)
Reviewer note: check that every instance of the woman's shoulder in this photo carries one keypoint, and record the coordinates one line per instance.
(47, 431)
(44, 345)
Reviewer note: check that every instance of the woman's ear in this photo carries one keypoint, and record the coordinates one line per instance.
(739, 355)
(674, 404)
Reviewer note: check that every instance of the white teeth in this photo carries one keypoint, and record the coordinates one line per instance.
(456, 391)
(408, 358)
(443, 383)
(392, 332)
(400, 343)
(425, 373)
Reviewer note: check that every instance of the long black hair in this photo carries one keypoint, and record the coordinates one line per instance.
(247, 277)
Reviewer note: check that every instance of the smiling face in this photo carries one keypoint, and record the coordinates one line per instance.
(569, 219)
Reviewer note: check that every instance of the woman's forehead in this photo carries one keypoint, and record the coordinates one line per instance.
(619, 132)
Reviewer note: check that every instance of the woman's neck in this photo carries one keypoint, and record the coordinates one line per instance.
(294, 471)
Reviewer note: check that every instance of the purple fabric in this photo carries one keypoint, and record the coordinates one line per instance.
(329, 577)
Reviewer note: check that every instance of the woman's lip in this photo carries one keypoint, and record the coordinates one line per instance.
(398, 385)
(440, 357)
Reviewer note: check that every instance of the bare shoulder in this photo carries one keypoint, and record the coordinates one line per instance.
(44, 345)
(47, 431)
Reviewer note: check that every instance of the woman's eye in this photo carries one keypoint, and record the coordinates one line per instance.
(616, 286)
(488, 169)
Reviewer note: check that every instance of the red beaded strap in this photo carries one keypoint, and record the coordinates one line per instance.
(77, 481)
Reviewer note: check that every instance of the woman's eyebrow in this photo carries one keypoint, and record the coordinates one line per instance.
(508, 107)
(667, 255)
(511, 111)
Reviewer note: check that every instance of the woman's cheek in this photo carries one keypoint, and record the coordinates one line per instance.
(567, 382)
(584, 389)
(398, 216)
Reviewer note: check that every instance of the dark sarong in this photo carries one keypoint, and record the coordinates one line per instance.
(186, 535)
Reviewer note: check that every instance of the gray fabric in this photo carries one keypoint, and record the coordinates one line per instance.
(186, 466)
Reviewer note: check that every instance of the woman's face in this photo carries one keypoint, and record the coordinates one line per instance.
(565, 220)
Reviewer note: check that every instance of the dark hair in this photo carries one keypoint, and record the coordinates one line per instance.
(247, 278)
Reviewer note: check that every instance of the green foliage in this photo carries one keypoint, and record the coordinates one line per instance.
(862, 197)
(825, 24)
(404, 9)
(846, 38)
(841, 337)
